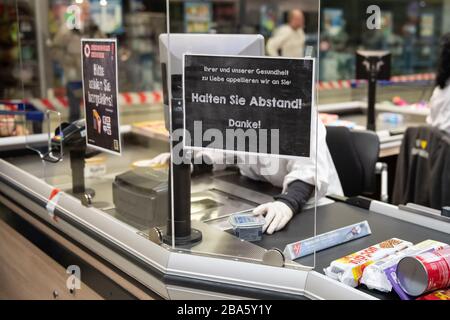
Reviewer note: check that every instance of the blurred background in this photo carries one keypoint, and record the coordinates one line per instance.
(39, 44)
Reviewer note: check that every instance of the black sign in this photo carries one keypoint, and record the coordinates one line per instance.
(373, 64)
(99, 65)
(268, 99)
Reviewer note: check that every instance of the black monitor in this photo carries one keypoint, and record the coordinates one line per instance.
(377, 63)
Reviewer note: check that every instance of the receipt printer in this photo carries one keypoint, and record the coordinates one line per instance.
(141, 196)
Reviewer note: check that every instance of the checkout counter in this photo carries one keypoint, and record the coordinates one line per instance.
(389, 132)
(221, 266)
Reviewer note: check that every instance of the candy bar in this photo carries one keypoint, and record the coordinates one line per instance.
(374, 276)
(391, 275)
(349, 269)
(437, 295)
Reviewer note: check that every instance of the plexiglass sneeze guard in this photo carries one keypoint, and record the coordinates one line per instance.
(245, 133)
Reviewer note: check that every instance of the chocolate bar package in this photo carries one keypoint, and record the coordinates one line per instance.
(391, 275)
(437, 295)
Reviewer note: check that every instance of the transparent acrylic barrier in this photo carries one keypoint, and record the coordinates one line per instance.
(139, 105)
(12, 123)
(44, 136)
(214, 197)
(25, 127)
(244, 185)
(409, 30)
(49, 143)
(124, 186)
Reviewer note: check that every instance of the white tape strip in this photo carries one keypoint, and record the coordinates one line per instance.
(53, 202)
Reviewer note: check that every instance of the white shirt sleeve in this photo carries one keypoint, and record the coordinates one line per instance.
(307, 170)
(440, 109)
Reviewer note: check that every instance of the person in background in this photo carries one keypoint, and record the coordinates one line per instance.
(289, 40)
(440, 100)
(11, 126)
(66, 49)
(67, 52)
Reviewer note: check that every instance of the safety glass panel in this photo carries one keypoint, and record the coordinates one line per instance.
(44, 134)
(23, 123)
(131, 186)
(379, 61)
(246, 137)
(123, 186)
(44, 140)
(409, 32)
(47, 100)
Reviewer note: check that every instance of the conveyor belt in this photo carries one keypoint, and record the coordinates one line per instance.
(338, 215)
(334, 216)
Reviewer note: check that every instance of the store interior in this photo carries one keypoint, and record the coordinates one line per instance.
(151, 229)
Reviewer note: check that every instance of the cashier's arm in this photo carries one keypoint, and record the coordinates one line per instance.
(279, 212)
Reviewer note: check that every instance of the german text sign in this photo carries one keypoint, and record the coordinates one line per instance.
(99, 65)
(253, 105)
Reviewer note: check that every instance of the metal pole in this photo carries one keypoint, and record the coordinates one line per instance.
(373, 76)
(41, 20)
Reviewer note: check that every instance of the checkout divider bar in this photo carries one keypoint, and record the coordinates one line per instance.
(408, 216)
(431, 221)
(425, 219)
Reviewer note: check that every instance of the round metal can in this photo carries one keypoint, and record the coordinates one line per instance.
(425, 272)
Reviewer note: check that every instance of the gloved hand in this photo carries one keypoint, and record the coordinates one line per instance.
(277, 215)
(160, 160)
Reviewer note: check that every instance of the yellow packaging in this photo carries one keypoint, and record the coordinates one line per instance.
(349, 269)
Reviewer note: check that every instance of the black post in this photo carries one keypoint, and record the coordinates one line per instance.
(242, 15)
(371, 123)
(373, 66)
(184, 234)
(74, 96)
(77, 164)
(182, 203)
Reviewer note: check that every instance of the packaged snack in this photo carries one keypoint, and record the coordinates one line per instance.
(375, 277)
(437, 295)
(349, 269)
(424, 272)
(391, 275)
